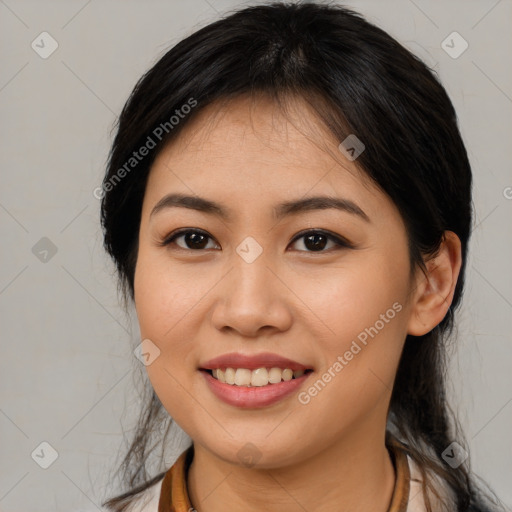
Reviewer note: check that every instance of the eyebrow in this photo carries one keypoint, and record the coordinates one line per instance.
(279, 211)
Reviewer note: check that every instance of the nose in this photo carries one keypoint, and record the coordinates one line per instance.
(252, 300)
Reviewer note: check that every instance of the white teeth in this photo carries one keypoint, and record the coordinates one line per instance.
(259, 377)
(230, 375)
(287, 374)
(242, 377)
(219, 374)
(255, 378)
(274, 375)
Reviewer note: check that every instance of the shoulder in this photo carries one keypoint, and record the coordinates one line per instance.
(416, 501)
(146, 501)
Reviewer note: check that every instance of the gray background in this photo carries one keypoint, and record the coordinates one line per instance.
(67, 368)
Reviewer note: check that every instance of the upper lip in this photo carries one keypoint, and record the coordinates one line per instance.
(252, 362)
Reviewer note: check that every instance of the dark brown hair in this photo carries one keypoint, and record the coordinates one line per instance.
(359, 80)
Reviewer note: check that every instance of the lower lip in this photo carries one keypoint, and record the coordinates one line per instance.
(254, 396)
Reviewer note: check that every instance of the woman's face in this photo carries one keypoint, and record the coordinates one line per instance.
(325, 287)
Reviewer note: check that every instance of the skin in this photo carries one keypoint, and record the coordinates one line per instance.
(196, 304)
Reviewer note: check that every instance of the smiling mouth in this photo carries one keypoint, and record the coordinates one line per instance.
(258, 377)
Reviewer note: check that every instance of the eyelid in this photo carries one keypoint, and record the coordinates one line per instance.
(182, 231)
(338, 239)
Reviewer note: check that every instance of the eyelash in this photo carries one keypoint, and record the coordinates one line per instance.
(339, 241)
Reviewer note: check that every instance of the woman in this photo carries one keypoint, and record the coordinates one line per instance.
(288, 203)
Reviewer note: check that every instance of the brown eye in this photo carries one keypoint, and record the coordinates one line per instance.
(313, 240)
(193, 239)
(318, 240)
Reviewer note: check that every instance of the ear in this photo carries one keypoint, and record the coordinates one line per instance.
(434, 291)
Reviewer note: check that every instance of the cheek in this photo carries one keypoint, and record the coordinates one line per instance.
(166, 305)
(163, 297)
(364, 317)
(352, 299)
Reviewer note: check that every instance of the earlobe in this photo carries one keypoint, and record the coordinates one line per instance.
(435, 288)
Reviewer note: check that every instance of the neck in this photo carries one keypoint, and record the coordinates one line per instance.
(354, 474)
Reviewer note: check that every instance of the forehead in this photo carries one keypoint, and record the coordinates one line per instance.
(278, 127)
(256, 128)
(248, 147)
